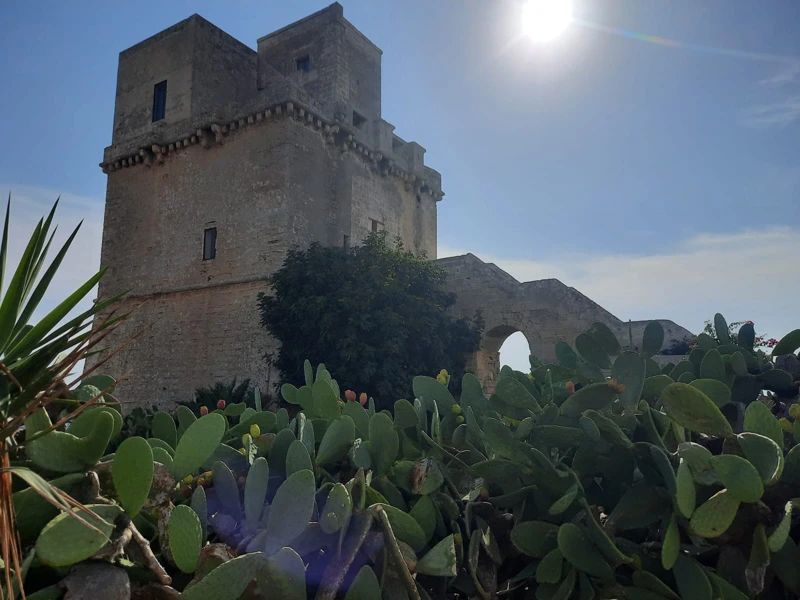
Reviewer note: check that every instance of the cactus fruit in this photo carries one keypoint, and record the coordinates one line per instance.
(203, 411)
(221, 404)
(350, 395)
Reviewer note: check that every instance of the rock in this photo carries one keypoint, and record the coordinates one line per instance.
(93, 580)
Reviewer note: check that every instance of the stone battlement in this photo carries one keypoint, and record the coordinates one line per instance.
(215, 84)
(422, 180)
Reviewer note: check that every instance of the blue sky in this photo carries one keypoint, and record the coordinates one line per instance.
(660, 180)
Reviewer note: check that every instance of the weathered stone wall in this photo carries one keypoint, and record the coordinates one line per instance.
(345, 67)
(188, 339)
(266, 186)
(545, 311)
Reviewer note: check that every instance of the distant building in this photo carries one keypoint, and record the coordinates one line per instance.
(222, 158)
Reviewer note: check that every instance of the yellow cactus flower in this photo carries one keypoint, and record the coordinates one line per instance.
(243, 451)
(794, 411)
(785, 424)
(255, 430)
(188, 479)
(245, 438)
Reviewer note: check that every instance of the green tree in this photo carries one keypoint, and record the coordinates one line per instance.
(376, 315)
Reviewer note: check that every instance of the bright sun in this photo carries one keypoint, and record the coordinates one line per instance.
(543, 20)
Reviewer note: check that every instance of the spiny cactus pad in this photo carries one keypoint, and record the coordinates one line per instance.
(132, 472)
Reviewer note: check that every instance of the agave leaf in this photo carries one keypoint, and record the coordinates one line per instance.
(35, 335)
(14, 294)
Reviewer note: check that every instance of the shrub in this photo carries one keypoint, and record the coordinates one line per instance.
(376, 315)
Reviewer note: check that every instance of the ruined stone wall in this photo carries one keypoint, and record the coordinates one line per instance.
(545, 311)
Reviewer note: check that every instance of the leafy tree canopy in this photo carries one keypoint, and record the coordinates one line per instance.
(376, 315)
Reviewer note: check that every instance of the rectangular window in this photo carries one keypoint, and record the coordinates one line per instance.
(210, 243)
(304, 64)
(376, 225)
(159, 101)
(346, 242)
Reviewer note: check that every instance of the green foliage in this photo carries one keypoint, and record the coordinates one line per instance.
(185, 538)
(563, 484)
(231, 392)
(132, 472)
(66, 540)
(376, 314)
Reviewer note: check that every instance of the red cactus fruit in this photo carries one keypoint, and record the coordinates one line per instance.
(362, 398)
(221, 404)
(203, 411)
(350, 395)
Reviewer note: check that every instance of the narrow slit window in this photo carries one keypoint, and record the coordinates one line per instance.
(210, 243)
(376, 225)
(304, 63)
(346, 242)
(159, 101)
(359, 120)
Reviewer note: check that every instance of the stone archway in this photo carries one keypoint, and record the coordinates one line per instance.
(485, 362)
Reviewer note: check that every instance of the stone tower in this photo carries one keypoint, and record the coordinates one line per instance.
(222, 158)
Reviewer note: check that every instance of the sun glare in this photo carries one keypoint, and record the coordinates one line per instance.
(543, 20)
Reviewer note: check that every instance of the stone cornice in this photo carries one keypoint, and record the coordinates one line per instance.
(334, 134)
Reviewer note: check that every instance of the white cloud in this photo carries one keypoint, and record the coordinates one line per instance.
(780, 105)
(746, 275)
